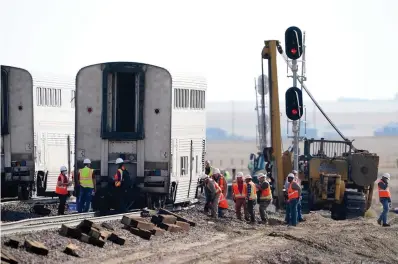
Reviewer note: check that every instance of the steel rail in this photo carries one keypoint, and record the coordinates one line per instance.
(32, 201)
(13, 229)
(46, 219)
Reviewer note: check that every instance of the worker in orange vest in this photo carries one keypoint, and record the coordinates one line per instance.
(62, 189)
(122, 186)
(220, 179)
(251, 197)
(213, 192)
(222, 205)
(264, 197)
(385, 198)
(293, 195)
(239, 196)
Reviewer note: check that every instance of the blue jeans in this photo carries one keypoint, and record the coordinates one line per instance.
(84, 199)
(287, 215)
(299, 215)
(220, 212)
(293, 212)
(383, 215)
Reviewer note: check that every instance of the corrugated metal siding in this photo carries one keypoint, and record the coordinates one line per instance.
(182, 190)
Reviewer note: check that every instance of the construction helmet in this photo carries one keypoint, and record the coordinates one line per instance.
(248, 176)
(63, 168)
(87, 161)
(386, 175)
(261, 175)
(119, 161)
(239, 175)
(216, 171)
(290, 175)
(294, 172)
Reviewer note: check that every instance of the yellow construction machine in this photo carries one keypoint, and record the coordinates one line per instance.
(334, 174)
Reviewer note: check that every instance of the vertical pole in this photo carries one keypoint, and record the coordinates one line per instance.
(295, 123)
(68, 149)
(264, 122)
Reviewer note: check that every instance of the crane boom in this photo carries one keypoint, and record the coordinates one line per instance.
(269, 53)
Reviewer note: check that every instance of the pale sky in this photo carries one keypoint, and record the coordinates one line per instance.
(350, 44)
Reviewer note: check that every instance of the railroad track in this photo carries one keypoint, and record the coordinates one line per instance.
(42, 200)
(46, 223)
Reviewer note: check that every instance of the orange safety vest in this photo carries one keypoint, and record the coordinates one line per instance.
(221, 183)
(236, 193)
(253, 194)
(266, 194)
(218, 188)
(383, 193)
(223, 203)
(61, 189)
(292, 194)
(118, 182)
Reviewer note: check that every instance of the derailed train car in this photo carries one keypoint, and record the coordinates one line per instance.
(17, 142)
(127, 110)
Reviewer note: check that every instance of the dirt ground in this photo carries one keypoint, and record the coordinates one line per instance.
(318, 240)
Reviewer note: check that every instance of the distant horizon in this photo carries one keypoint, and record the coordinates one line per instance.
(341, 99)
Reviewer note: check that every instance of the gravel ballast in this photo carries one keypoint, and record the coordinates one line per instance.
(318, 240)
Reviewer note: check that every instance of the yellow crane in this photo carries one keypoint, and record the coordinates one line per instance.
(336, 175)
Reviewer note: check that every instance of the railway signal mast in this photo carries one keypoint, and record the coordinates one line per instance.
(294, 96)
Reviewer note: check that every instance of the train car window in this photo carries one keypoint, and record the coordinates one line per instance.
(123, 111)
(184, 165)
(125, 102)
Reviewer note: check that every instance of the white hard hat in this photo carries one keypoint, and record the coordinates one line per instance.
(260, 175)
(239, 175)
(63, 168)
(290, 175)
(294, 172)
(216, 171)
(386, 175)
(87, 161)
(248, 176)
(119, 160)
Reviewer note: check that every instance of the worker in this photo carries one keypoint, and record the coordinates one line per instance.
(122, 185)
(264, 197)
(208, 168)
(222, 205)
(219, 178)
(226, 174)
(299, 214)
(239, 195)
(62, 189)
(385, 198)
(251, 196)
(293, 193)
(213, 192)
(87, 186)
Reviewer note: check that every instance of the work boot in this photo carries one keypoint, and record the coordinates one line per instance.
(378, 221)
(386, 225)
(301, 220)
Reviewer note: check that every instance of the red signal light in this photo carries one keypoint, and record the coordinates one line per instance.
(293, 51)
(294, 112)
